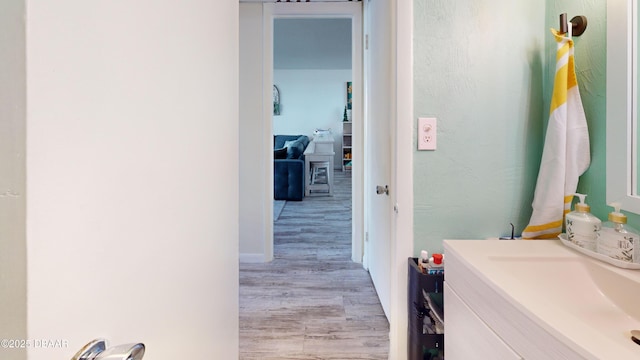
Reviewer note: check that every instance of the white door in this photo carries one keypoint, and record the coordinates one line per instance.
(379, 135)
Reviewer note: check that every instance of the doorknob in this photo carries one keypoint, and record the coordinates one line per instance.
(91, 350)
(123, 352)
(97, 350)
(382, 190)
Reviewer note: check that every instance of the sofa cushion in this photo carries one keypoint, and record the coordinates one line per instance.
(295, 150)
(280, 153)
(288, 180)
(279, 140)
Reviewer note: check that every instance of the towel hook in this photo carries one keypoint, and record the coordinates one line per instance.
(578, 24)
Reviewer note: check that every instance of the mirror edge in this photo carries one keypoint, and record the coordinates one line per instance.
(619, 92)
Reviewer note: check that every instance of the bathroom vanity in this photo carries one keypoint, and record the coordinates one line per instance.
(536, 299)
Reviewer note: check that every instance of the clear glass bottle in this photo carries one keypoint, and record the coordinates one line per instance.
(618, 240)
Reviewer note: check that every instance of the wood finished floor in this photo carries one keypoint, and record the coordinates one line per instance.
(312, 302)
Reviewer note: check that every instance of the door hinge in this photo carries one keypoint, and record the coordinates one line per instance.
(366, 42)
(366, 236)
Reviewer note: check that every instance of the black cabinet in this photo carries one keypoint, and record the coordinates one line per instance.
(425, 309)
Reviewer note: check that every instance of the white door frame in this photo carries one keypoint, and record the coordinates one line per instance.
(402, 231)
(352, 10)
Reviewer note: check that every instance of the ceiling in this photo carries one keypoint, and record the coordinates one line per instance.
(273, 1)
(312, 44)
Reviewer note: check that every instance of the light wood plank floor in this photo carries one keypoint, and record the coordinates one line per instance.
(312, 302)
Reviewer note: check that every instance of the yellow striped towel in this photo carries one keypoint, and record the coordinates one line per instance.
(566, 149)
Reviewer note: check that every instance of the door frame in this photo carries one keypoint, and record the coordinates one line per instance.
(402, 246)
(353, 11)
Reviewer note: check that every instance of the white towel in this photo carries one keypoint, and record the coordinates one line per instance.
(566, 149)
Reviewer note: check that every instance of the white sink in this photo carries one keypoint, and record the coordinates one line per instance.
(588, 305)
(609, 301)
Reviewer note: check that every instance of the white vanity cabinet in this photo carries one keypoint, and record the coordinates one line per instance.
(536, 300)
(467, 336)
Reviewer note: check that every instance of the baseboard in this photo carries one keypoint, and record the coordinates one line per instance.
(252, 258)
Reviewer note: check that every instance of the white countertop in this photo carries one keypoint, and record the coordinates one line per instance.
(582, 303)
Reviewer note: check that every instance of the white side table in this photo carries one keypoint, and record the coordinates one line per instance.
(325, 155)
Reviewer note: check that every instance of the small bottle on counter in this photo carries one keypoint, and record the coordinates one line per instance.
(581, 226)
(618, 240)
(436, 265)
(423, 261)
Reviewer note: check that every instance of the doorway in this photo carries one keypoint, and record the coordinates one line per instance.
(256, 243)
(312, 73)
(289, 13)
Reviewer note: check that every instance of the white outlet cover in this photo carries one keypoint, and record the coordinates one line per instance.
(427, 133)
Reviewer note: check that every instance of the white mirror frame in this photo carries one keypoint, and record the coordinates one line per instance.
(620, 109)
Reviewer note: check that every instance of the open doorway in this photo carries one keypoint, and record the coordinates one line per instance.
(311, 289)
(389, 68)
(312, 76)
(389, 65)
(327, 81)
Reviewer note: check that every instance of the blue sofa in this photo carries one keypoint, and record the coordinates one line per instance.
(288, 166)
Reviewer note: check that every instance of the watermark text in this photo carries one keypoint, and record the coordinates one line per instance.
(33, 343)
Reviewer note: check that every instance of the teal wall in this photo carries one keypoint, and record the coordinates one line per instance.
(479, 69)
(591, 65)
(590, 57)
(489, 82)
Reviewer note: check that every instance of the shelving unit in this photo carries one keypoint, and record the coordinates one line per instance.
(347, 154)
(423, 341)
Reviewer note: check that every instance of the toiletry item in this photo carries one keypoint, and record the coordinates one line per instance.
(581, 226)
(423, 261)
(436, 265)
(618, 240)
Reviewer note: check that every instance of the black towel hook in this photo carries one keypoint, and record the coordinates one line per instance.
(578, 24)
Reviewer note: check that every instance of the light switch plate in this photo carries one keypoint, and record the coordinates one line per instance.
(427, 133)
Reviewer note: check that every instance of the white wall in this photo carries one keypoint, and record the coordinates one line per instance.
(13, 262)
(254, 212)
(311, 99)
(132, 215)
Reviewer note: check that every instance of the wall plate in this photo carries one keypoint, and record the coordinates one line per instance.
(427, 134)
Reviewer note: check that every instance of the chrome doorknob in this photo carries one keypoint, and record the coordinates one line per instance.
(91, 350)
(382, 189)
(123, 352)
(97, 350)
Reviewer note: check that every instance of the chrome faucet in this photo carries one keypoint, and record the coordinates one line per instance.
(97, 350)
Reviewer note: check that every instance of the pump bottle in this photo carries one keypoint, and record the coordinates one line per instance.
(581, 226)
(618, 240)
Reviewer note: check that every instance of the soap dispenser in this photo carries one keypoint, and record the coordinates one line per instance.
(618, 240)
(581, 226)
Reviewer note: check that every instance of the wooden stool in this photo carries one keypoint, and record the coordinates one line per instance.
(316, 168)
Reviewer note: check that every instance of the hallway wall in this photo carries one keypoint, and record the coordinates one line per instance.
(13, 261)
(253, 210)
(131, 229)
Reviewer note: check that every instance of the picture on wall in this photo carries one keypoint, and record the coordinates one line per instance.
(276, 100)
